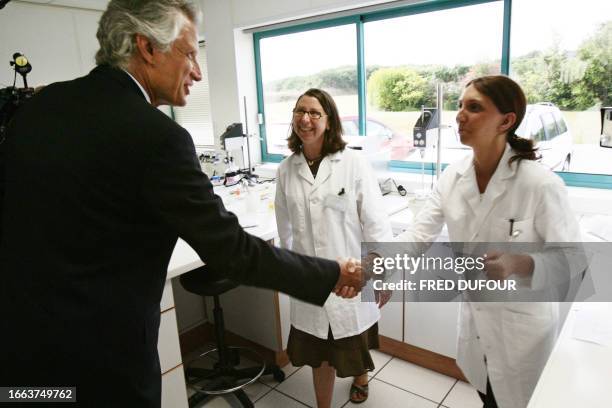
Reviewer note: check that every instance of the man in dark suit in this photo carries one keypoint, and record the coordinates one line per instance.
(99, 186)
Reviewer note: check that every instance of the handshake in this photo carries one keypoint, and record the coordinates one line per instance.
(351, 278)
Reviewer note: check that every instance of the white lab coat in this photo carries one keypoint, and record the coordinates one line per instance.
(329, 217)
(516, 338)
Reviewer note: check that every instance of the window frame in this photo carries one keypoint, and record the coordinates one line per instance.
(601, 181)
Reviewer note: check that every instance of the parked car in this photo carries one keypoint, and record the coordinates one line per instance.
(399, 143)
(544, 124)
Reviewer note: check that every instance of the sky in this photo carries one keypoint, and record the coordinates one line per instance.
(458, 36)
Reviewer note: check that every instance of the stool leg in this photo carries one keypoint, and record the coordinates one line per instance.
(220, 333)
(197, 399)
(244, 399)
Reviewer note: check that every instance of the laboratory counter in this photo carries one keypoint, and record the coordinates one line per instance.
(262, 317)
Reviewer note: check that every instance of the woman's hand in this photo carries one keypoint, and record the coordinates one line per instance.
(500, 265)
(382, 297)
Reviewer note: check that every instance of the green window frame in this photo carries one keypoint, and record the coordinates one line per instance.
(571, 179)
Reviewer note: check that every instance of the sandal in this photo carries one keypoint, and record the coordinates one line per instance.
(358, 393)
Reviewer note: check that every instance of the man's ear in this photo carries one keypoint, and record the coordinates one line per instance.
(145, 48)
(508, 122)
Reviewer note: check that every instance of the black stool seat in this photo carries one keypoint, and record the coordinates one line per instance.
(204, 282)
(225, 377)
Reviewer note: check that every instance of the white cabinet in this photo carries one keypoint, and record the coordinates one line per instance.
(432, 326)
(174, 392)
(168, 346)
(428, 325)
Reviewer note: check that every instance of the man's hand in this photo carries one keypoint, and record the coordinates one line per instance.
(350, 280)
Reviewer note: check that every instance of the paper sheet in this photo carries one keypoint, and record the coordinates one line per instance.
(594, 325)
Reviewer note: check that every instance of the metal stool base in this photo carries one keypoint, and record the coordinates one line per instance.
(220, 376)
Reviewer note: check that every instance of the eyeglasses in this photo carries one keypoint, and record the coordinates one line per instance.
(314, 115)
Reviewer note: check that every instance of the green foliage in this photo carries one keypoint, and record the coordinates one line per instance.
(398, 89)
(341, 79)
(575, 80)
(596, 52)
(572, 81)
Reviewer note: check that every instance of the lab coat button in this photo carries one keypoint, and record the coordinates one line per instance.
(314, 200)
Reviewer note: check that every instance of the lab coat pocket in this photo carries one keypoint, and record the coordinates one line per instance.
(336, 203)
(514, 230)
(528, 332)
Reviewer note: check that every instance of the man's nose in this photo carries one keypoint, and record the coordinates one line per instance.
(195, 71)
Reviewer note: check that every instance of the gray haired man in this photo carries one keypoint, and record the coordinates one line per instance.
(99, 186)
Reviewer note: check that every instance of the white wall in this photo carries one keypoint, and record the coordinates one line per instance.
(60, 42)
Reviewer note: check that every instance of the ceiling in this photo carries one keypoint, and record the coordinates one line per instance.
(85, 4)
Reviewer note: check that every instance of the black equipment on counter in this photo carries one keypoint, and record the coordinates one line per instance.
(429, 119)
(11, 98)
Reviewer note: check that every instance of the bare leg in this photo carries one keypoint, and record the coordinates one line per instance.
(359, 389)
(323, 378)
(361, 379)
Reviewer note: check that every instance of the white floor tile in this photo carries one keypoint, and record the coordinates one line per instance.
(269, 380)
(275, 399)
(380, 359)
(300, 387)
(385, 395)
(416, 379)
(463, 395)
(254, 391)
(222, 402)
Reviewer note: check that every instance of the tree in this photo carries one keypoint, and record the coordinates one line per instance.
(596, 52)
(398, 89)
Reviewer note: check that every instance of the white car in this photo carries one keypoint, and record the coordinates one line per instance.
(544, 124)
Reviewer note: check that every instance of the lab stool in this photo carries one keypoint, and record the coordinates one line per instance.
(224, 377)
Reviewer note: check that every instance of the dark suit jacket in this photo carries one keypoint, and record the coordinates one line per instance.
(99, 185)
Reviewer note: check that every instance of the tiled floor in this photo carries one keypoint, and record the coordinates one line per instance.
(394, 383)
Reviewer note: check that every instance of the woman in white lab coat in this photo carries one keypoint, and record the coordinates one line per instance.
(327, 203)
(498, 194)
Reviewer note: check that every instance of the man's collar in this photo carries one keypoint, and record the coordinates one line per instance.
(146, 95)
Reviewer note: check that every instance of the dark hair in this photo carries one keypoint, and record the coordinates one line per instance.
(332, 138)
(508, 97)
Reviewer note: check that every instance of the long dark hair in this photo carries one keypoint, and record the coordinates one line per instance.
(332, 138)
(508, 97)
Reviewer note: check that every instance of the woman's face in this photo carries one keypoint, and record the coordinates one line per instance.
(478, 118)
(310, 130)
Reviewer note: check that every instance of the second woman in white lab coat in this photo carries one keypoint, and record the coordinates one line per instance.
(499, 194)
(327, 203)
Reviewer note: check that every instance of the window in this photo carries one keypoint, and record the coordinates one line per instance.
(550, 127)
(561, 54)
(407, 56)
(196, 115)
(536, 129)
(324, 58)
(390, 60)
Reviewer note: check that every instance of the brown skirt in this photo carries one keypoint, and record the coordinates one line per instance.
(350, 356)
